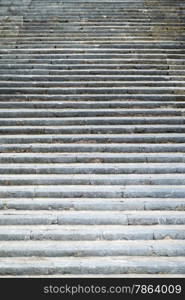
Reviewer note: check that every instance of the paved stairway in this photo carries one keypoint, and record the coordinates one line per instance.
(92, 138)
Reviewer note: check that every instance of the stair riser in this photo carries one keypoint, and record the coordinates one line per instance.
(78, 269)
(94, 121)
(178, 138)
(121, 130)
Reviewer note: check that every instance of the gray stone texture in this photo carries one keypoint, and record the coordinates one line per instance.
(92, 138)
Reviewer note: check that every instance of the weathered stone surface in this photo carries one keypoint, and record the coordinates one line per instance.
(92, 138)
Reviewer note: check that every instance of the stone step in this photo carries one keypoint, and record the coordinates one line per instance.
(9, 73)
(94, 204)
(121, 8)
(154, 45)
(34, 9)
(94, 121)
(106, 157)
(93, 97)
(136, 24)
(38, 86)
(93, 138)
(47, 42)
(134, 7)
(80, 49)
(95, 59)
(92, 147)
(92, 179)
(92, 168)
(98, 2)
(85, 38)
(70, 64)
(92, 233)
(92, 265)
(24, 35)
(12, 217)
(94, 55)
(149, 45)
(106, 34)
(88, 67)
(95, 248)
(110, 77)
(41, 44)
(93, 15)
(123, 45)
(95, 191)
(96, 112)
(93, 18)
(94, 90)
(93, 30)
(94, 104)
(93, 129)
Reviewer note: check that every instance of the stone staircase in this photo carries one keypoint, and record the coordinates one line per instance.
(92, 138)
